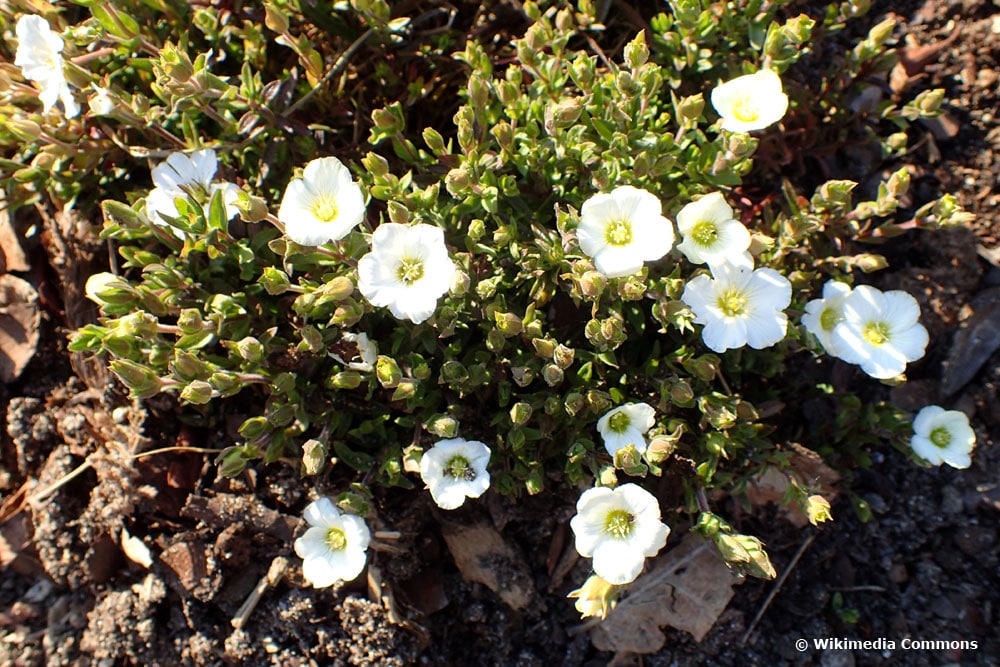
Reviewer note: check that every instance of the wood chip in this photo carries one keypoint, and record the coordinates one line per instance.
(482, 556)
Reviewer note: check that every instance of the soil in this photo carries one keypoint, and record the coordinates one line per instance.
(924, 567)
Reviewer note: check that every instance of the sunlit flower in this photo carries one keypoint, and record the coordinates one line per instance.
(823, 315)
(619, 528)
(367, 352)
(622, 229)
(880, 331)
(739, 306)
(750, 102)
(711, 234)
(333, 548)
(101, 103)
(181, 173)
(943, 436)
(407, 270)
(324, 205)
(39, 55)
(455, 469)
(626, 425)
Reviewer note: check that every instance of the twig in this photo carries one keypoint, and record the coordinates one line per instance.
(275, 573)
(337, 67)
(777, 587)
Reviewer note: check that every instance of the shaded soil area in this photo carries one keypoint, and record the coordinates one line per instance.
(127, 558)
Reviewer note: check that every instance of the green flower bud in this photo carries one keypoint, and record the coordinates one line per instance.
(141, 381)
(387, 371)
(140, 325)
(313, 457)
(453, 372)
(607, 476)
(563, 356)
(457, 181)
(106, 289)
(627, 459)
(575, 404)
(544, 347)
(275, 281)
(599, 401)
(251, 207)
(680, 392)
(198, 392)
(495, 341)
(477, 228)
(553, 405)
(434, 141)
(509, 324)
(520, 413)
(522, 375)
(592, 284)
(346, 380)
(552, 374)
(190, 321)
(225, 382)
(690, 108)
(254, 428)
(407, 389)
(442, 425)
(250, 349)
(398, 213)
(232, 461)
(175, 64)
(636, 51)
(338, 289)
(566, 112)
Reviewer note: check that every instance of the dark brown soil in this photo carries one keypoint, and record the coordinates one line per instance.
(925, 567)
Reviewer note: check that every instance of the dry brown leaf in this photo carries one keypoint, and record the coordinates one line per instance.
(12, 255)
(687, 588)
(482, 555)
(770, 485)
(19, 320)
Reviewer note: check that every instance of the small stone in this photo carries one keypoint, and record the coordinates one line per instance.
(944, 608)
(898, 574)
(975, 540)
(876, 503)
(834, 658)
(951, 500)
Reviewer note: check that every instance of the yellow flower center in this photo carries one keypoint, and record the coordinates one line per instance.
(619, 422)
(876, 333)
(410, 270)
(324, 208)
(941, 437)
(618, 233)
(732, 302)
(829, 318)
(458, 467)
(745, 110)
(618, 524)
(336, 540)
(705, 233)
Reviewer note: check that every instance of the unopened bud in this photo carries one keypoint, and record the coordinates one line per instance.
(520, 413)
(313, 457)
(387, 371)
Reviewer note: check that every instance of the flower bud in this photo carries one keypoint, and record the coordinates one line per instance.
(818, 509)
(108, 289)
(522, 375)
(520, 413)
(251, 207)
(592, 284)
(187, 367)
(141, 381)
(275, 281)
(509, 324)
(574, 404)
(690, 108)
(544, 347)
(387, 371)
(563, 356)
(598, 401)
(552, 374)
(254, 428)
(190, 321)
(176, 64)
(407, 389)
(197, 392)
(313, 457)
(596, 597)
(459, 283)
(232, 461)
(476, 229)
(442, 425)
(225, 382)
(453, 372)
(250, 349)
(457, 181)
(345, 380)
(636, 51)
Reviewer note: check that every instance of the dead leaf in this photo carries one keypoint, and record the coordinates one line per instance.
(687, 588)
(914, 59)
(12, 255)
(482, 556)
(770, 485)
(974, 343)
(19, 321)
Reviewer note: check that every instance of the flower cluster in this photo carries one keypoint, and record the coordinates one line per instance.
(876, 330)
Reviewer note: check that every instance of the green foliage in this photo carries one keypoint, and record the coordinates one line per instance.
(531, 345)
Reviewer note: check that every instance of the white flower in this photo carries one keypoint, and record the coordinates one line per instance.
(711, 234)
(943, 436)
(39, 55)
(622, 229)
(367, 352)
(333, 548)
(454, 470)
(324, 205)
(750, 102)
(626, 425)
(407, 269)
(823, 315)
(739, 306)
(181, 173)
(880, 331)
(619, 528)
(101, 103)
